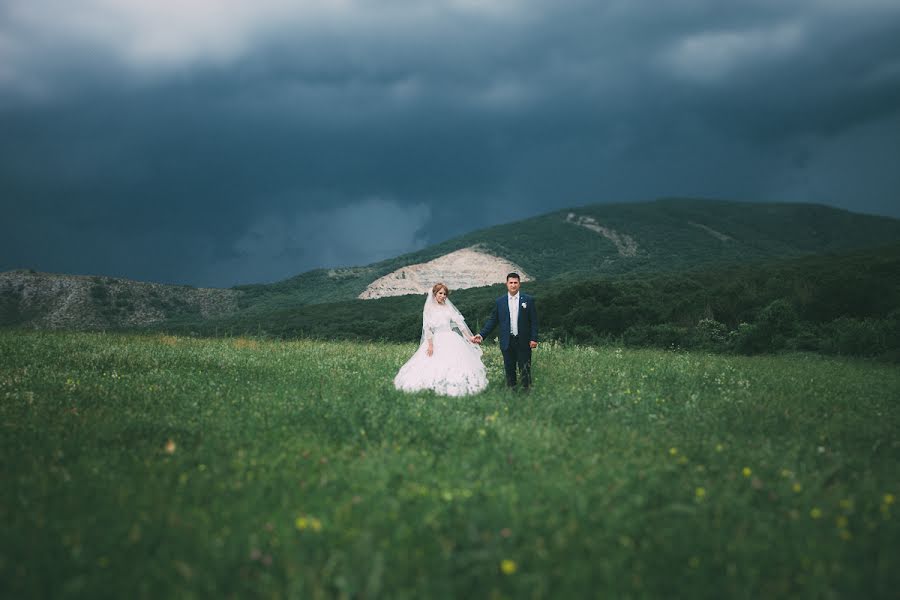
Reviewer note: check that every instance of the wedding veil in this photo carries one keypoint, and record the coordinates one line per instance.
(458, 321)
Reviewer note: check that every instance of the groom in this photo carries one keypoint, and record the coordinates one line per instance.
(517, 316)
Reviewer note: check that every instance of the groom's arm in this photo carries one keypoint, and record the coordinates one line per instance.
(533, 318)
(490, 323)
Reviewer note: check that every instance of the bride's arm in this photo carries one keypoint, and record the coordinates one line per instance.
(429, 337)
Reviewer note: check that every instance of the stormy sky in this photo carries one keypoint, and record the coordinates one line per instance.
(216, 142)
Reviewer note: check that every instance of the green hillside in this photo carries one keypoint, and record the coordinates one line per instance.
(669, 235)
(838, 303)
(608, 242)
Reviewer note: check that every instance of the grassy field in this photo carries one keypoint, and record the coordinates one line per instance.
(158, 466)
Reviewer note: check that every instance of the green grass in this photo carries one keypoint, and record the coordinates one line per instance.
(177, 467)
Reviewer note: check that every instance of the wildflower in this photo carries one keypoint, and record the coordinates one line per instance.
(673, 451)
(815, 513)
(845, 535)
(786, 473)
(797, 487)
(315, 524)
(846, 504)
(301, 523)
(170, 446)
(841, 522)
(747, 471)
(888, 499)
(719, 447)
(700, 493)
(508, 566)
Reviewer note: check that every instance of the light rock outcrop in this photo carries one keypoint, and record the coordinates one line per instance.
(461, 269)
(719, 236)
(625, 244)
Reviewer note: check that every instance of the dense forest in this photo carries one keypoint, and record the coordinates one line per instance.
(839, 304)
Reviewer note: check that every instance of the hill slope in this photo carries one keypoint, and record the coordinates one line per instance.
(51, 301)
(607, 241)
(617, 239)
(837, 303)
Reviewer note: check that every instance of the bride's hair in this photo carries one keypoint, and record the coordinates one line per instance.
(438, 286)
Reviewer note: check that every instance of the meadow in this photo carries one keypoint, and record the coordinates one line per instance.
(160, 466)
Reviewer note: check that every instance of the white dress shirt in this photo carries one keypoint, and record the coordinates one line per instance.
(513, 314)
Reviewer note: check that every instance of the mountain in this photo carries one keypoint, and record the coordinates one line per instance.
(608, 241)
(611, 240)
(52, 301)
(846, 303)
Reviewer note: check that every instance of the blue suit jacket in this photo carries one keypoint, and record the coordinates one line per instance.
(528, 321)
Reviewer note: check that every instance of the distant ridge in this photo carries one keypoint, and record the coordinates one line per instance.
(618, 239)
(51, 301)
(601, 240)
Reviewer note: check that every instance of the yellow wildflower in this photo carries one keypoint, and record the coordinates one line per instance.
(673, 451)
(888, 499)
(797, 487)
(747, 471)
(841, 522)
(816, 512)
(508, 566)
(301, 523)
(700, 493)
(315, 524)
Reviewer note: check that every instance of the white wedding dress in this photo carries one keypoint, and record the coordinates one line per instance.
(455, 367)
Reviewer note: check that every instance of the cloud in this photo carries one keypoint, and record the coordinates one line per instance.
(279, 246)
(827, 169)
(710, 56)
(222, 141)
(152, 36)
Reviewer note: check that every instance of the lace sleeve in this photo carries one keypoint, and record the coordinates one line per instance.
(428, 327)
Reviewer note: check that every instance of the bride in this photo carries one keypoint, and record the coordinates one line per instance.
(446, 361)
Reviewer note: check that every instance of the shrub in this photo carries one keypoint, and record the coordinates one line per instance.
(859, 337)
(710, 334)
(776, 324)
(664, 335)
(100, 293)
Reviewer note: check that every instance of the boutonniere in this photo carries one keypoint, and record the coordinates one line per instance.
(524, 305)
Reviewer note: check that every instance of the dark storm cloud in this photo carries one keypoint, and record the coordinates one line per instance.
(228, 142)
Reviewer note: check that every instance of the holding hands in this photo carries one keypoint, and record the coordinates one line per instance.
(477, 339)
